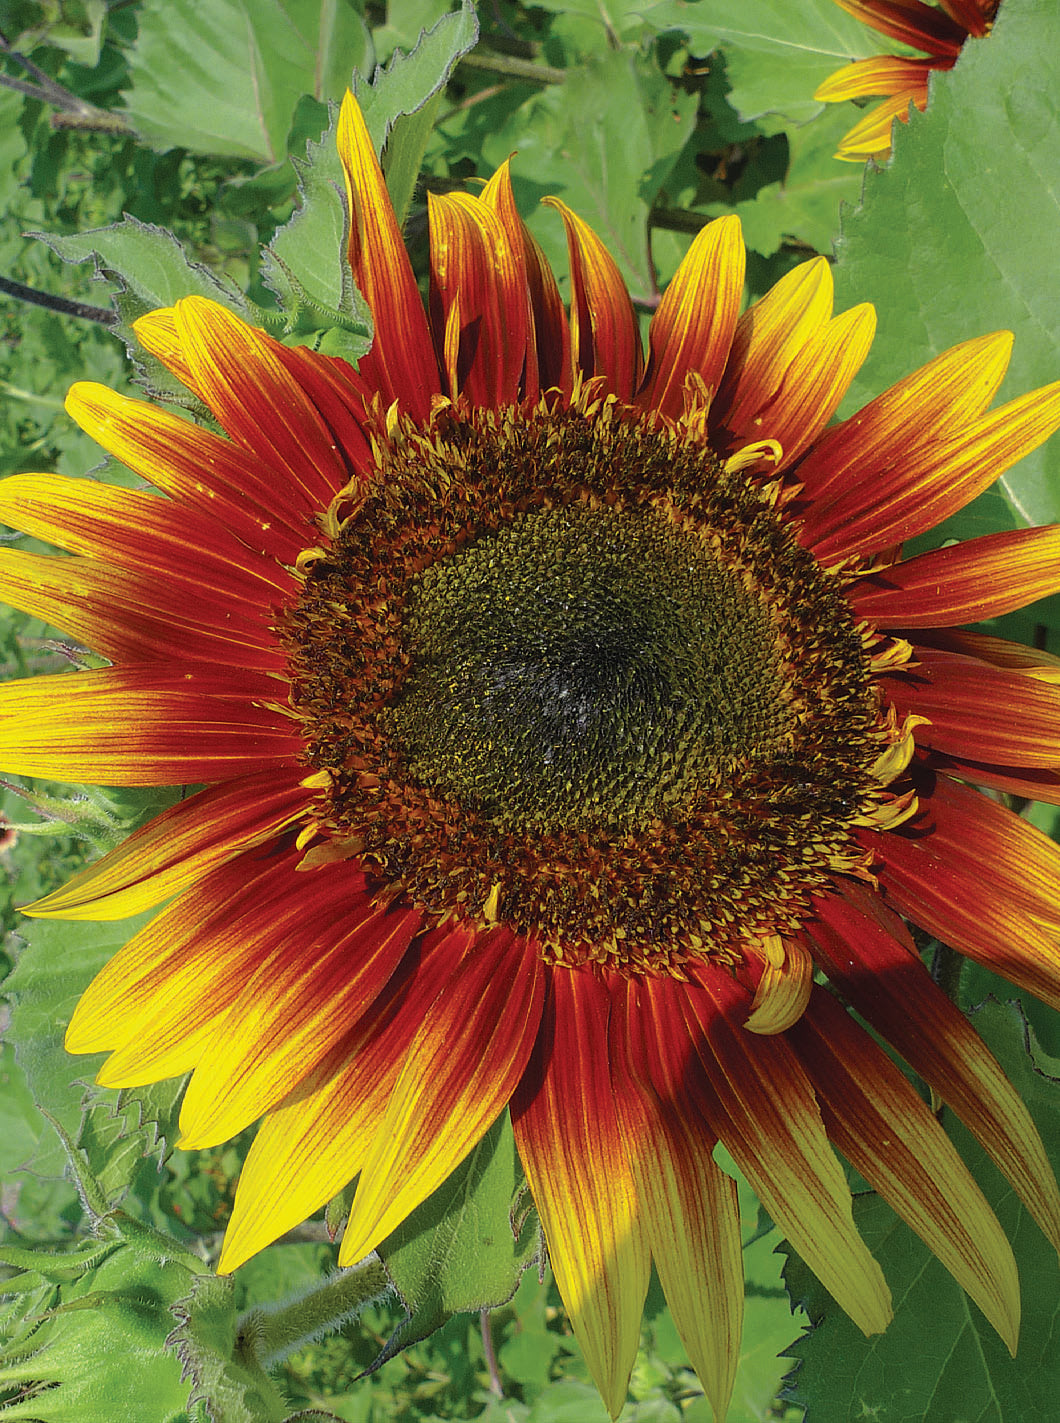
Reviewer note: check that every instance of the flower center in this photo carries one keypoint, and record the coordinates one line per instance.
(562, 669)
(584, 667)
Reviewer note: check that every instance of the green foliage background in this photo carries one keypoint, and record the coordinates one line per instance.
(649, 117)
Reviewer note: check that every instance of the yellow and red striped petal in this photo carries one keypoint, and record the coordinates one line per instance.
(691, 332)
(912, 417)
(986, 713)
(316, 1140)
(573, 1150)
(548, 353)
(690, 1209)
(142, 532)
(172, 852)
(882, 74)
(216, 477)
(477, 270)
(910, 22)
(458, 1076)
(885, 981)
(888, 1133)
(127, 616)
(401, 362)
(886, 507)
(766, 1115)
(605, 340)
(143, 726)
(964, 583)
(335, 961)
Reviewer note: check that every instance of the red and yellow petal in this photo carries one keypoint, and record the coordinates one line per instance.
(690, 1208)
(400, 364)
(548, 354)
(885, 982)
(604, 337)
(172, 852)
(889, 74)
(316, 1140)
(964, 583)
(766, 1115)
(335, 961)
(573, 1150)
(910, 22)
(986, 713)
(887, 1132)
(691, 332)
(479, 275)
(143, 726)
(457, 1077)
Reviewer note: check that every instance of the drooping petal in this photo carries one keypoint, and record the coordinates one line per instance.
(964, 583)
(881, 74)
(317, 1139)
(910, 22)
(784, 988)
(766, 1115)
(573, 1150)
(692, 330)
(214, 476)
(474, 262)
(334, 963)
(907, 420)
(871, 136)
(976, 710)
(691, 1214)
(888, 985)
(143, 726)
(604, 337)
(886, 507)
(888, 1133)
(548, 356)
(400, 364)
(244, 377)
(172, 852)
(458, 1076)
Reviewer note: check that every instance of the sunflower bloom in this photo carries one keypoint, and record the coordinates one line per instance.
(558, 712)
(938, 31)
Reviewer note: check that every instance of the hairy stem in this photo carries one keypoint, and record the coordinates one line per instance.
(267, 1336)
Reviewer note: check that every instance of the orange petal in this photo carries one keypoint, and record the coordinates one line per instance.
(214, 476)
(243, 376)
(604, 337)
(914, 416)
(173, 851)
(964, 583)
(548, 356)
(294, 1008)
(692, 330)
(768, 1118)
(317, 1139)
(458, 1076)
(144, 726)
(976, 710)
(888, 1133)
(691, 1214)
(474, 263)
(401, 361)
(910, 22)
(574, 1153)
(888, 985)
(922, 489)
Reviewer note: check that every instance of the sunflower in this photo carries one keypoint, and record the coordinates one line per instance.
(938, 31)
(563, 721)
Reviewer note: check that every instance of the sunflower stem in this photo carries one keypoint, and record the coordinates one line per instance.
(267, 1335)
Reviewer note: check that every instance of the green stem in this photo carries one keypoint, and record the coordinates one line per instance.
(15, 392)
(267, 1336)
(513, 68)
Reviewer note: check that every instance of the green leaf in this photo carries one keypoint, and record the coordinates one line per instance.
(956, 234)
(777, 52)
(460, 1251)
(205, 1341)
(940, 1361)
(226, 77)
(606, 140)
